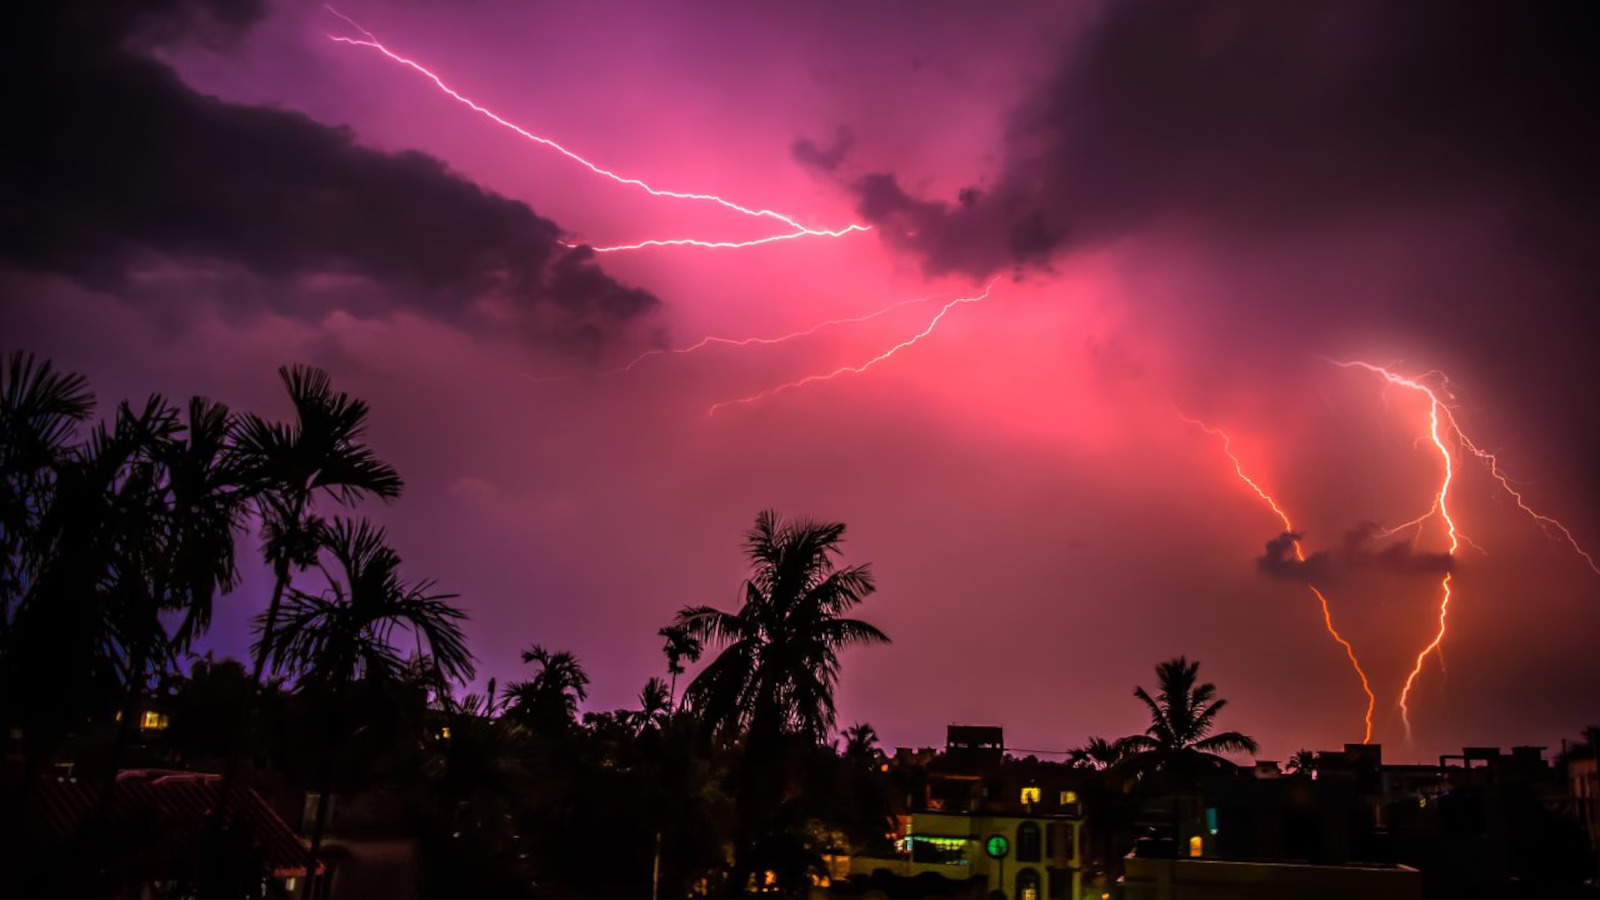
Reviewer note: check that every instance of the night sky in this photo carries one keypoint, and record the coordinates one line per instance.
(1181, 209)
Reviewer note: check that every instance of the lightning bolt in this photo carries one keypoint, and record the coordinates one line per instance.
(1442, 423)
(765, 341)
(854, 370)
(1438, 417)
(370, 41)
(1288, 529)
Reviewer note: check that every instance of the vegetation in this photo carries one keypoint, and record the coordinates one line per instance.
(118, 542)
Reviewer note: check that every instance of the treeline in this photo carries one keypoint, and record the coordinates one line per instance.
(121, 538)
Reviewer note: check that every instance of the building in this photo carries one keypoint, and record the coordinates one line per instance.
(158, 819)
(987, 824)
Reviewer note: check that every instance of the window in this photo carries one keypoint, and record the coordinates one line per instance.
(1028, 843)
(1031, 795)
(1069, 798)
(1052, 838)
(1059, 881)
(1196, 846)
(153, 721)
(1027, 885)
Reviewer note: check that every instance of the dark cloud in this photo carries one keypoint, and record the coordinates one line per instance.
(116, 167)
(810, 153)
(1266, 115)
(1363, 550)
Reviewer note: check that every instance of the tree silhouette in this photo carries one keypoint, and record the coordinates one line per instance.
(655, 705)
(1303, 762)
(861, 741)
(548, 702)
(779, 661)
(772, 682)
(320, 452)
(1100, 754)
(681, 647)
(1180, 743)
(333, 640)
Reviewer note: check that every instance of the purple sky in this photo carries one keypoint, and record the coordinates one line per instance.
(1185, 207)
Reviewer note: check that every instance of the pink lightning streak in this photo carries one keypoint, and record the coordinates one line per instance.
(371, 41)
(854, 370)
(764, 341)
(1288, 528)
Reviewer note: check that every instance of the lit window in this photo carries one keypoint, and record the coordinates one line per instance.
(1196, 846)
(444, 733)
(1030, 795)
(1069, 797)
(153, 721)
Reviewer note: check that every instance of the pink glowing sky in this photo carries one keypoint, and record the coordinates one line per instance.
(1043, 526)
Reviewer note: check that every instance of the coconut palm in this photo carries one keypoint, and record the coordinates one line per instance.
(861, 741)
(348, 635)
(655, 705)
(773, 680)
(1100, 754)
(549, 700)
(320, 453)
(1180, 743)
(779, 658)
(1303, 762)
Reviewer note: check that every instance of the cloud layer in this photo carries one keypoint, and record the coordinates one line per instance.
(125, 169)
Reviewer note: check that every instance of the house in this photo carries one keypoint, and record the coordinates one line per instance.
(987, 824)
(155, 819)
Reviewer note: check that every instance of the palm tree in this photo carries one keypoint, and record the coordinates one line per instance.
(681, 647)
(1180, 743)
(347, 635)
(40, 411)
(1100, 754)
(861, 741)
(549, 700)
(779, 661)
(1303, 762)
(655, 705)
(320, 453)
(773, 680)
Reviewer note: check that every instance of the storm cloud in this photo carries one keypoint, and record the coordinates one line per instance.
(1266, 116)
(122, 168)
(1364, 549)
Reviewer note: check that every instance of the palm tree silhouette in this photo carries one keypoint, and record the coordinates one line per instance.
(681, 647)
(861, 741)
(655, 705)
(779, 661)
(1180, 743)
(320, 452)
(1100, 754)
(549, 700)
(345, 636)
(1303, 762)
(772, 682)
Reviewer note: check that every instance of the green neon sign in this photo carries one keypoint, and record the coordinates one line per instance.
(997, 846)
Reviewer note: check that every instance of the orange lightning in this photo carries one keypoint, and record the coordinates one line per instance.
(1288, 528)
(1438, 413)
(855, 370)
(371, 41)
(1442, 422)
